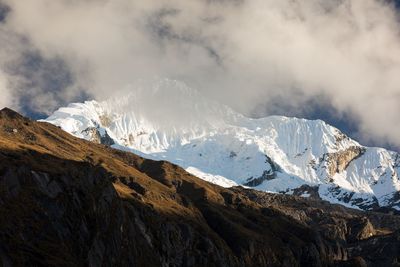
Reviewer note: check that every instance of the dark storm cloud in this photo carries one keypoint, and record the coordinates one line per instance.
(29, 81)
(45, 84)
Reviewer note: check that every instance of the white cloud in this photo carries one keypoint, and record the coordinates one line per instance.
(245, 53)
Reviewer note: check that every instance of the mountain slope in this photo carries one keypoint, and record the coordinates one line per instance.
(69, 202)
(167, 120)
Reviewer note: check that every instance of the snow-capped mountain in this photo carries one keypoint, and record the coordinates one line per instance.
(166, 120)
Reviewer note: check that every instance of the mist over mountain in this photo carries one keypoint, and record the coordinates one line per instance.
(259, 57)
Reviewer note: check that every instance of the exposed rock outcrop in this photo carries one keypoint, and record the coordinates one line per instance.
(267, 175)
(307, 191)
(94, 135)
(339, 161)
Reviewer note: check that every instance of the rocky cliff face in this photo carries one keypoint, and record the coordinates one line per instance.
(69, 202)
(339, 161)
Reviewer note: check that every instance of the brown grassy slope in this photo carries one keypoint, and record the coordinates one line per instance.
(70, 202)
(44, 147)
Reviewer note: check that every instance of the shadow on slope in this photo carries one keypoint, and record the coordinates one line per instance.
(69, 202)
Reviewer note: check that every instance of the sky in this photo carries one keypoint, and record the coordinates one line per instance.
(336, 60)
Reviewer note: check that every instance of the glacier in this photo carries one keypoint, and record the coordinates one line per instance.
(167, 120)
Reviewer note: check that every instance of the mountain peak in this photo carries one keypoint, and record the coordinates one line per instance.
(169, 121)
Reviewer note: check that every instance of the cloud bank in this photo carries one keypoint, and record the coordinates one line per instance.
(258, 56)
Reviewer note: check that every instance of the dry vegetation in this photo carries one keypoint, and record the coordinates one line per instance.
(70, 202)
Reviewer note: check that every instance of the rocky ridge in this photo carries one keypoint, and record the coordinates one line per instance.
(69, 202)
